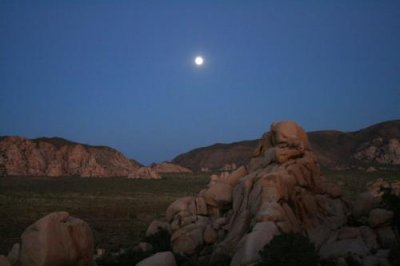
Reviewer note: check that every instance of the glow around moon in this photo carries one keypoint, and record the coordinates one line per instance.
(199, 60)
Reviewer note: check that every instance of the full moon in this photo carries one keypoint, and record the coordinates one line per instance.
(199, 60)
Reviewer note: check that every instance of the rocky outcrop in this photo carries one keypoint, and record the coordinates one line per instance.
(280, 191)
(56, 239)
(167, 167)
(144, 173)
(332, 149)
(379, 151)
(59, 157)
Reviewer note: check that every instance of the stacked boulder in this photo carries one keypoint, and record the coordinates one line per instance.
(280, 191)
(370, 242)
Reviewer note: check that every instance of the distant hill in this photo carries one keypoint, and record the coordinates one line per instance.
(377, 144)
(167, 167)
(60, 157)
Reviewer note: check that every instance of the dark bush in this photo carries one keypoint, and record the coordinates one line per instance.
(160, 241)
(392, 202)
(128, 258)
(394, 257)
(289, 250)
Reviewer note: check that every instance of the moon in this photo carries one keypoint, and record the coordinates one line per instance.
(199, 60)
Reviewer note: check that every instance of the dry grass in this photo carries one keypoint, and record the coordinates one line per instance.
(118, 210)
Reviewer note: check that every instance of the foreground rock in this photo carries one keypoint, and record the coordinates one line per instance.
(59, 157)
(56, 239)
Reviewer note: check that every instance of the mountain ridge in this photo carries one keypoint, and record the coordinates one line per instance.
(334, 148)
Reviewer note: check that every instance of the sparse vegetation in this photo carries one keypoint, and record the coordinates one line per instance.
(289, 250)
(117, 209)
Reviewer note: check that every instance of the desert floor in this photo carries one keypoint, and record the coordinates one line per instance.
(119, 209)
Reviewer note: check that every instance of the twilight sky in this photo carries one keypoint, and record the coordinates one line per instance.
(121, 73)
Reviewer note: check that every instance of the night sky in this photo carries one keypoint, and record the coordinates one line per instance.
(122, 73)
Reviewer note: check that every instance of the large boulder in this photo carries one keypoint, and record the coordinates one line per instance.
(253, 242)
(57, 239)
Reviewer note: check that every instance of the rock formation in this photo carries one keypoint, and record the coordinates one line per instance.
(280, 191)
(379, 151)
(59, 157)
(167, 167)
(144, 173)
(228, 167)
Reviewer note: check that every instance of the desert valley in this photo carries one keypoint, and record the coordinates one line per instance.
(215, 205)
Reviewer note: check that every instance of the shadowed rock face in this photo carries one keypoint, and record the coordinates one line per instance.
(58, 157)
(332, 148)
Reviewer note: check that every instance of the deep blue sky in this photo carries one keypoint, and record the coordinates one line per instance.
(121, 73)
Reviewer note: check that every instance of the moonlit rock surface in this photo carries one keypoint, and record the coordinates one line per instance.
(57, 239)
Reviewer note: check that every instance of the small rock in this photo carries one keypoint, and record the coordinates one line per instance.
(210, 235)
(156, 226)
(364, 203)
(159, 259)
(333, 190)
(386, 237)
(342, 248)
(371, 169)
(379, 217)
(4, 261)
(14, 254)
(143, 247)
(369, 237)
(348, 233)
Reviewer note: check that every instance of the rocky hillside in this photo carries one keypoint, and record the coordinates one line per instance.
(377, 144)
(59, 157)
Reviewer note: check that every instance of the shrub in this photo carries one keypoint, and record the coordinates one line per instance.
(289, 250)
(392, 202)
(394, 257)
(127, 258)
(160, 241)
